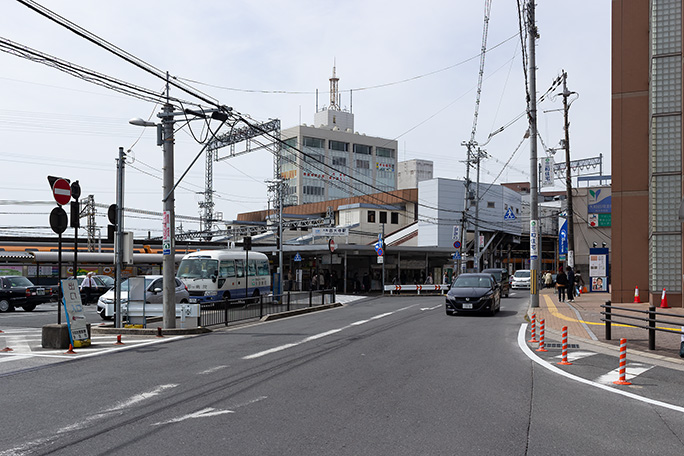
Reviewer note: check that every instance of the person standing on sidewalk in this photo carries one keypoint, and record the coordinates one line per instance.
(571, 284)
(87, 286)
(561, 284)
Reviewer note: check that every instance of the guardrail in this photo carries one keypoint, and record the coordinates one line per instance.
(443, 288)
(236, 310)
(610, 314)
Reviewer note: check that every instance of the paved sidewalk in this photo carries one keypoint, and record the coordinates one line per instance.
(583, 319)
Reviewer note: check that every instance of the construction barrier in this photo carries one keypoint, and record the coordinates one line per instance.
(623, 364)
(441, 289)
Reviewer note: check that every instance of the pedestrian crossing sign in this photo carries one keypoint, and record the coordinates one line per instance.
(298, 257)
(509, 214)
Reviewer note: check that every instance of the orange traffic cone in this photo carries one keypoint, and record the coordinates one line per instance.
(636, 295)
(663, 301)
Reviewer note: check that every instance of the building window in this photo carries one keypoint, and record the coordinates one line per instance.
(491, 204)
(363, 164)
(395, 218)
(384, 152)
(314, 142)
(339, 161)
(338, 145)
(313, 190)
(371, 216)
(314, 158)
(383, 217)
(362, 149)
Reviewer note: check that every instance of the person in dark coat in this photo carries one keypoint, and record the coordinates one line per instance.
(561, 284)
(571, 284)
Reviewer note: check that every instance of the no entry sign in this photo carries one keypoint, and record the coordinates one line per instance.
(61, 190)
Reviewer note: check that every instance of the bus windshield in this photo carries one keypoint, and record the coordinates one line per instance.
(198, 268)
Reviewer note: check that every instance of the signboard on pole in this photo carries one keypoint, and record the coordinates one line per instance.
(76, 319)
(166, 233)
(547, 172)
(456, 235)
(534, 239)
(330, 231)
(61, 190)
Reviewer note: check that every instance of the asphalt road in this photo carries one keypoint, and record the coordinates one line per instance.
(384, 376)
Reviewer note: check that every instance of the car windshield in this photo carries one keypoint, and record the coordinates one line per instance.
(108, 281)
(472, 282)
(124, 284)
(522, 274)
(495, 273)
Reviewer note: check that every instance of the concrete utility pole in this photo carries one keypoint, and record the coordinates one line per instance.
(120, 162)
(463, 251)
(169, 259)
(534, 187)
(568, 174)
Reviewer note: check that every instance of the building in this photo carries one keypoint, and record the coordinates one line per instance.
(410, 172)
(646, 149)
(330, 160)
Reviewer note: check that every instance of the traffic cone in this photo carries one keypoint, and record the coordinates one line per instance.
(636, 295)
(663, 301)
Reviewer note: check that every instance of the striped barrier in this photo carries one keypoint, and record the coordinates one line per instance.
(440, 288)
(623, 364)
(564, 347)
(542, 347)
(534, 330)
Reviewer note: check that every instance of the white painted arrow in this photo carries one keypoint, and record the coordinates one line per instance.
(204, 413)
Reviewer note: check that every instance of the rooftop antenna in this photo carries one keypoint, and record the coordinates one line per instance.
(334, 94)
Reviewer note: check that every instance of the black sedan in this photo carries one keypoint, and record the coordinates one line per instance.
(18, 291)
(474, 293)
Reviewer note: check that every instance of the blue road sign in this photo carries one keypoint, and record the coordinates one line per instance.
(509, 214)
(298, 257)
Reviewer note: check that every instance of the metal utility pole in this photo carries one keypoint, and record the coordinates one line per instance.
(119, 235)
(534, 185)
(568, 174)
(169, 254)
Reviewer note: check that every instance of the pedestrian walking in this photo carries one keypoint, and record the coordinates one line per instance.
(445, 278)
(570, 288)
(548, 280)
(428, 281)
(561, 284)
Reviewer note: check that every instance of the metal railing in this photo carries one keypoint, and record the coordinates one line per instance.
(235, 310)
(610, 314)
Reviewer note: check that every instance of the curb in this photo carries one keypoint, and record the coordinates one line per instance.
(305, 310)
(149, 331)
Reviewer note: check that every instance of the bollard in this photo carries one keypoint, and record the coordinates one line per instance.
(607, 325)
(651, 327)
(541, 348)
(564, 347)
(534, 330)
(159, 332)
(623, 364)
(118, 340)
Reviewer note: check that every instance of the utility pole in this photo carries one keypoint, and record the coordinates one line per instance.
(463, 251)
(568, 174)
(119, 235)
(169, 255)
(480, 154)
(534, 187)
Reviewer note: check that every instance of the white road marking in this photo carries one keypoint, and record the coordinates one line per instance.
(320, 335)
(211, 370)
(632, 370)
(575, 355)
(431, 308)
(141, 397)
(522, 343)
(204, 413)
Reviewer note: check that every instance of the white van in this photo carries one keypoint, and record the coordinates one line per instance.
(521, 279)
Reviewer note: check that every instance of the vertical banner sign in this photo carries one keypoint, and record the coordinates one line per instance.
(534, 239)
(73, 310)
(547, 172)
(456, 235)
(166, 233)
(562, 238)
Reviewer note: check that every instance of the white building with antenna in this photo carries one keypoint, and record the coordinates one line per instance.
(330, 160)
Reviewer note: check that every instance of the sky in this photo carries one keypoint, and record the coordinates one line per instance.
(407, 70)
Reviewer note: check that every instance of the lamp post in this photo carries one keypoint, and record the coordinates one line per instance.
(165, 138)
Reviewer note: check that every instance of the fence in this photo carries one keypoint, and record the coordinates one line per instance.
(610, 314)
(236, 310)
(441, 289)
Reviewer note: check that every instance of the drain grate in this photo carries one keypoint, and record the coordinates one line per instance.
(561, 345)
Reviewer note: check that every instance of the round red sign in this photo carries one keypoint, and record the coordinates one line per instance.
(61, 190)
(331, 245)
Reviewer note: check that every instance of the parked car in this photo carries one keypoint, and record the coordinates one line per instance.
(521, 279)
(153, 294)
(103, 284)
(18, 291)
(501, 276)
(474, 292)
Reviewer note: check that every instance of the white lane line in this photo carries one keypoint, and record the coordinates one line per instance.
(211, 370)
(632, 370)
(204, 413)
(320, 335)
(522, 343)
(574, 356)
(136, 399)
(431, 308)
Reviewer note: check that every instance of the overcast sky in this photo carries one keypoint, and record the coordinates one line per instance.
(240, 52)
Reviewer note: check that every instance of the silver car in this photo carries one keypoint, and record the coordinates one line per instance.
(153, 294)
(521, 279)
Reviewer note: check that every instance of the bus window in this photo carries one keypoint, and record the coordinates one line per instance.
(197, 268)
(239, 268)
(227, 269)
(262, 267)
(252, 267)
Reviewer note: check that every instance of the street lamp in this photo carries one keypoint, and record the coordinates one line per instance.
(165, 139)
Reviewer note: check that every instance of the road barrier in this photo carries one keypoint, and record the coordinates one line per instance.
(431, 288)
(623, 364)
(609, 317)
(564, 347)
(534, 330)
(542, 347)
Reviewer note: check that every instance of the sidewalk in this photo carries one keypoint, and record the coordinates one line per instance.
(583, 319)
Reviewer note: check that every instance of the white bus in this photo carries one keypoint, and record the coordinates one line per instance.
(215, 276)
